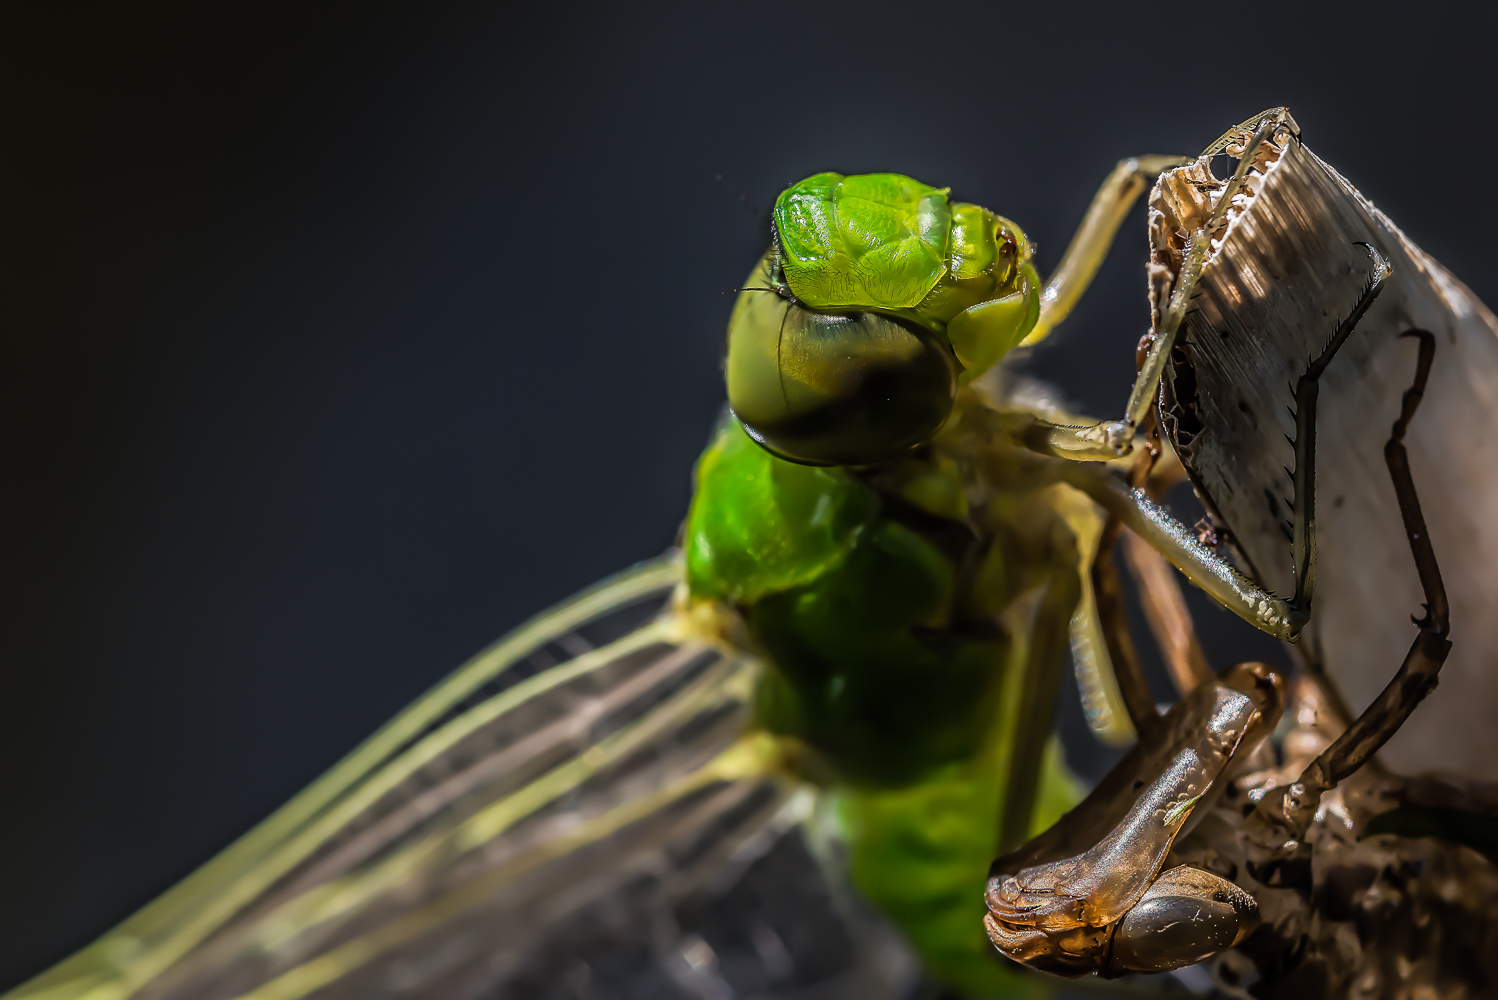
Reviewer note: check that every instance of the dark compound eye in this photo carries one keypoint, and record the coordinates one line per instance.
(824, 388)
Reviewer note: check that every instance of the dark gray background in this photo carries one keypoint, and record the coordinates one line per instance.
(338, 340)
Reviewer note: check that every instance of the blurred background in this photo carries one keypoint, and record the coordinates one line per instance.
(339, 339)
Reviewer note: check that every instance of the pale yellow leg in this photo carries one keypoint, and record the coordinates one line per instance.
(1165, 609)
(1160, 590)
(1094, 238)
(1032, 688)
(1115, 438)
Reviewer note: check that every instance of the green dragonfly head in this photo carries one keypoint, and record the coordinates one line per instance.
(878, 298)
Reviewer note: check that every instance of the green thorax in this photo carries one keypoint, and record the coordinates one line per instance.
(875, 596)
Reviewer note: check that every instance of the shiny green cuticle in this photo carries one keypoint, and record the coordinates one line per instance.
(871, 241)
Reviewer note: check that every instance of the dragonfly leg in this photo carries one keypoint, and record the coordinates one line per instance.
(1035, 683)
(1165, 610)
(1303, 529)
(1114, 438)
(1107, 591)
(1155, 526)
(1159, 588)
(1094, 237)
(1282, 819)
(1180, 546)
(1280, 617)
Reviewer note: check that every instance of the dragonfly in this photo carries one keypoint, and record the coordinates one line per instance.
(783, 758)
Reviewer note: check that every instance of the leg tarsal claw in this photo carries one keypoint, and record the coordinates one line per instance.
(1119, 434)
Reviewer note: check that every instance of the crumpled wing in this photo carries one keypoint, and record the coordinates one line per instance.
(1286, 271)
(536, 825)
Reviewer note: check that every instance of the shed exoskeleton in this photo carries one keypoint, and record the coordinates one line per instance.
(1091, 894)
(1330, 901)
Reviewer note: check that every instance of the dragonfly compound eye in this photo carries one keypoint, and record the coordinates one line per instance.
(844, 388)
(890, 244)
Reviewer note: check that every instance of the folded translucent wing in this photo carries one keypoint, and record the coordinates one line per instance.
(536, 825)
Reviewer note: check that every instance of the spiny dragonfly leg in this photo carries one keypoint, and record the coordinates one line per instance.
(1282, 819)
(1114, 438)
(1280, 617)
(1307, 389)
(1089, 894)
(1159, 593)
